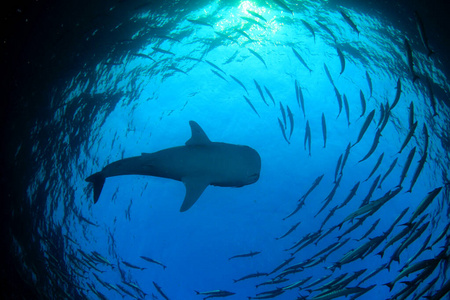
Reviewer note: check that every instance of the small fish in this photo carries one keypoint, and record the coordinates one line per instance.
(423, 34)
(214, 294)
(363, 103)
(365, 126)
(328, 74)
(242, 32)
(425, 133)
(258, 87)
(391, 167)
(342, 59)
(300, 99)
(411, 114)
(250, 254)
(142, 55)
(351, 195)
(219, 75)
(308, 137)
(251, 105)
(301, 60)
(347, 110)
(382, 115)
(258, 56)
(239, 82)
(283, 114)
(431, 95)
(156, 49)
(215, 66)
(199, 22)
(283, 6)
(369, 82)
(387, 113)
(310, 28)
(289, 231)
(407, 165)
(417, 171)
(291, 121)
(252, 21)
(346, 154)
(257, 274)
(283, 131)
(153, 261)
(158, 288)
(397, 94)
(132, 266)
(408, 137)
(349, 22)
(256, 15)
(338, 166)
(410, 61)
(339, 100)
(374, 145)
(380, 159)
(326, 29)
(270, 94)
(324, 130)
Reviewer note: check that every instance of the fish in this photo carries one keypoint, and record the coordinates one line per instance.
(374, 145)
(425, 203)
(349, 21)
(239, 82)
(310, 28)
(300, 99)
(196, 164)
(431, 96)
(407, 165)
(411, 115)
(324, 130)
(270, 95)
(301, 60)
(328, 74)
(142, 55)
(158, 288)
(219, 75)
(339, 100)
(387, 113)
(382, 115)
(284, 6)
(258, 87)
(363, 103)
(257, 274)
(250, 254)
(256, 15)
(380, 159)
(347, 110)
(258, 56)
(283, 131)
(283, 264)
(251, 105)
(253, 21)
(365, 126)
(371, 229)
(132, 266)
(391, 167)
(371, 190)
(338, 166)
(215, 66)
(326, 29)
(199, 22)
(283, 114)
(291, 121)
(268, 294)
(342, 59)
(397, 94)
(308, 136)
(422, 33)
(410, 61)
(425, 133)
(330, 196)
(241, 32)
(369, 82)
(289, 231)
(156, 49)
(215, 294)
(350, 195)
(346, 154)
(408, 137)
(153, 261)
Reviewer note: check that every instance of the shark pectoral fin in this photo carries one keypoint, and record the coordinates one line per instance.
(194, 188)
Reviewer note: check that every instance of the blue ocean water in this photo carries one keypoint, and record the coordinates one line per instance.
(202, 63)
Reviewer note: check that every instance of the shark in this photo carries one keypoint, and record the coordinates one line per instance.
(198, 164)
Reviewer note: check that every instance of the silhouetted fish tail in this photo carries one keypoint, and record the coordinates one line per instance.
(98, 180)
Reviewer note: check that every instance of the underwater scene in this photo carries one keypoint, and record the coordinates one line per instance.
(242, 150)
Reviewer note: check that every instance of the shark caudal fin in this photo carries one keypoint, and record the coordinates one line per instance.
(98, 180)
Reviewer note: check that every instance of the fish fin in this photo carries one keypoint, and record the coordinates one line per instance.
(194, 188)
(198, 137)
(98, 180)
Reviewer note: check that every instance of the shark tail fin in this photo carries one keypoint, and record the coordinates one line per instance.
(98, 180)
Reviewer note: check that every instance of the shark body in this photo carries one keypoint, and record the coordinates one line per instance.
(197, 164)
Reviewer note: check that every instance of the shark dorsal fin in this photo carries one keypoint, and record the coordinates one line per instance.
(194, 189)
(198, 137)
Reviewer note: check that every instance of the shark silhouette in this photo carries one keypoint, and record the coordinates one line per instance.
(197, 164)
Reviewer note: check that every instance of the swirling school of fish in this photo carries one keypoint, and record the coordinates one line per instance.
(325, 287)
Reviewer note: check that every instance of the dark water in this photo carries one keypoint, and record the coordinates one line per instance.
(119, 79)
